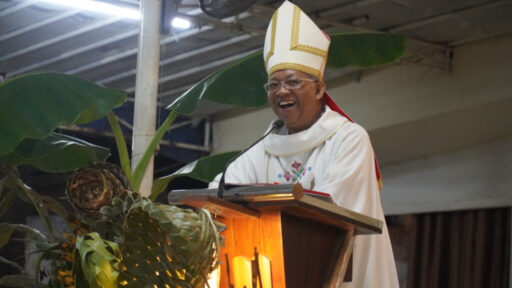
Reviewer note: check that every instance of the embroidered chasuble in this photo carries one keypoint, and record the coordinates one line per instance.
(332, 156)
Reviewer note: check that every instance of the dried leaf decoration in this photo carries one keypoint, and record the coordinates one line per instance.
(91, 188)
(98, 260)
(167, 246)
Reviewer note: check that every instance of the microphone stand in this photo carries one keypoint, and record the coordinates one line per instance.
(276, 125)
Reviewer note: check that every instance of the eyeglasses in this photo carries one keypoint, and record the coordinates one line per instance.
(290, 84)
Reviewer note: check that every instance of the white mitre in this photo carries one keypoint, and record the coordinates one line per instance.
(293, 41)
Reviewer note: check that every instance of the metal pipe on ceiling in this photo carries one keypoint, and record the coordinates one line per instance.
(124, 123)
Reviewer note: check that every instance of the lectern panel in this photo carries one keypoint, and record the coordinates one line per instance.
(311, 250)
(245, 236)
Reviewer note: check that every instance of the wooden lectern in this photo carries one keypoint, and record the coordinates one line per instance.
(307, 240)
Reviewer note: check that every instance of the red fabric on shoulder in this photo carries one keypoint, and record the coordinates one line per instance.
(334, 107)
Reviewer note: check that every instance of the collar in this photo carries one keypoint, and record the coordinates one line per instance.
(284, 145)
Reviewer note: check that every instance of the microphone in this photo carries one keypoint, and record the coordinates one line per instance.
(277, 124)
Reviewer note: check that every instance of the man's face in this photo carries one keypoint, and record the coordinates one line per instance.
(298, 108)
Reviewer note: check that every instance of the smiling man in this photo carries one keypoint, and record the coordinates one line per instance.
(296, 98)
(318, 146)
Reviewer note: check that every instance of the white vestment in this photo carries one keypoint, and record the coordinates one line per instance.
(334, 156)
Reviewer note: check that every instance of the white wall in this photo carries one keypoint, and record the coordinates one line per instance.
(478, 177)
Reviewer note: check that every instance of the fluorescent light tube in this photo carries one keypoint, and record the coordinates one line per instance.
(100, 7)
(180, 23)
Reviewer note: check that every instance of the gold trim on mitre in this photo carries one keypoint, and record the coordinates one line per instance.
(272, 39)
(296, 66)
(294, 43)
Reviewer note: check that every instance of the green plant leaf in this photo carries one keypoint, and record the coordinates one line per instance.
(364, 49)
(18, 280)
(241, 83)
(124, 158)
(56, 153)
(6, 202)
(32, 105)
(204, 169)
(27, 194)
(11, 263)
(6, 230)
(2, 182)
(5, 235)
(140, 169)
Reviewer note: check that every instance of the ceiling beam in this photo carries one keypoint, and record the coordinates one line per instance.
(59, 38)
(133, 51)
(478, 38)
(38, 24)
(317, 17)
(80, 50)
(348, 7)
(75, 52)
(228, 25)
(200, 68)
(181, 57)
(17, 7)
(166, 40)
(446, 15)
(323, 20)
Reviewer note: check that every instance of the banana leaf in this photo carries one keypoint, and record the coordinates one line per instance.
(2, 183)
(18, 280)
(11, 263)
(6, 230)
(204, 169)
(364, 49)
(241, 83)
(32, 105)
(56, 153)
(6, 202)
(27, 194)
(7, 199)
